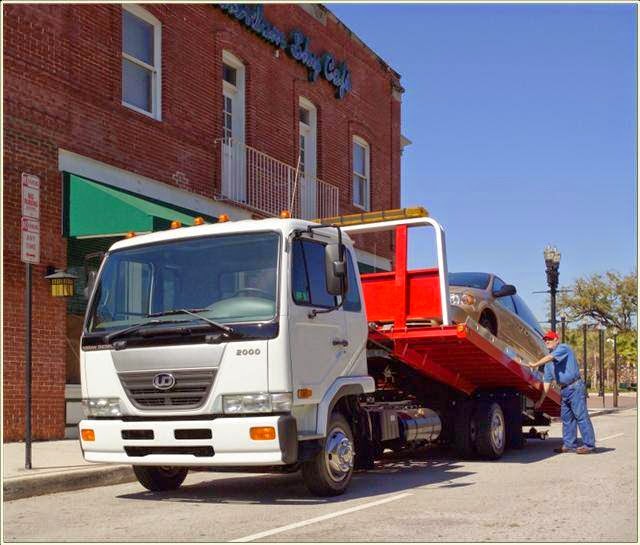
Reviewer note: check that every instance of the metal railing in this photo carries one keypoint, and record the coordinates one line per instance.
(258, 181)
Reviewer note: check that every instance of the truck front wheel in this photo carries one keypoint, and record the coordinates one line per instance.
(158, 479)
(331, 469)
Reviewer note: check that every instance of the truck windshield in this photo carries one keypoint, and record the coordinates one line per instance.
(229, 279)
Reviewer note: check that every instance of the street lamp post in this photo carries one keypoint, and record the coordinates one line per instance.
(615, 368)
(552, 263)
(601, 329)
(563, 327)
(584, 355)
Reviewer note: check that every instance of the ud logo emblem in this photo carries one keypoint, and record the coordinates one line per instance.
(164, 381)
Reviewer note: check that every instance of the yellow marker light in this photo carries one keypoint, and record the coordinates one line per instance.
(222, 218)
(305, 393)
(373, 217)
(199, 221)
(264, 433)
(285, 214)
(130, 234)
(175, 224)
(88, 435)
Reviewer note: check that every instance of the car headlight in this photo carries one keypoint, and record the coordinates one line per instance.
(462, 299)
(101, 406)
(257, 403)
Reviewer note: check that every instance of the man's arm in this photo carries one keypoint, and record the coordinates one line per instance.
(540, 362)
(547, 386)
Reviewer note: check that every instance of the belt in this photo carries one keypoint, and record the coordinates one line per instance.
(563, 386)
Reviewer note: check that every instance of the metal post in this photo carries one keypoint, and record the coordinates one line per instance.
(563, 327)
(601, 363)
(615, 370)
(27, 369)
(553, 308)
(584, 356)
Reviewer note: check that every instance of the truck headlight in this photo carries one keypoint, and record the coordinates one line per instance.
(257, 403)
(101, 406)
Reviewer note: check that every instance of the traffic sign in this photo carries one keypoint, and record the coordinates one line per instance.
(30, 196)
(30, 248)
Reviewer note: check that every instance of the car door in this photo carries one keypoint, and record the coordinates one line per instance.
(533, 332)
(317, 342)
(508, 323)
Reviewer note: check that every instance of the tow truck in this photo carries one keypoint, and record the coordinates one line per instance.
(255, 345)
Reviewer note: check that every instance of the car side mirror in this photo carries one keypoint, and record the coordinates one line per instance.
(335, 269)
(91, 280)
(505, 290)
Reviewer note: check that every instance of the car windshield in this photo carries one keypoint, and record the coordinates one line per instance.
(229, 279)
(469, 280)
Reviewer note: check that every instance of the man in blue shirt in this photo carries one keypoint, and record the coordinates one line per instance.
(561, 367)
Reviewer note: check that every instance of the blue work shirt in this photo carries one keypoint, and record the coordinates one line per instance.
(563, 368)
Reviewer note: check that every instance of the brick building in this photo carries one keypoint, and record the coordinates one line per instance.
(135, 115)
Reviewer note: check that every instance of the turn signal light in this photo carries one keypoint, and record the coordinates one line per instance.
(285, 214)
(265, 433)
(88, 435)
(198, 221)
(175, 224)
(305, 393)
(461, 331)
(222, 218)
(130, 234)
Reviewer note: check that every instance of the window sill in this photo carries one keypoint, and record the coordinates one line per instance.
(141, 111)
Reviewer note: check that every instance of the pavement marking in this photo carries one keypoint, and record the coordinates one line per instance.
(610, 437)
(320, 518)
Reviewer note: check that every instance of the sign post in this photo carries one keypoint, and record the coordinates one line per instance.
(29, 254)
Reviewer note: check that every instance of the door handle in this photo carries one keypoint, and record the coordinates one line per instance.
(340, 342)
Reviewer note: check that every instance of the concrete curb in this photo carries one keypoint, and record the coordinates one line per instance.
(16, 488)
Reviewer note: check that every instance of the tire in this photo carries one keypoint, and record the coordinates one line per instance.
(512, 408)
(491, 437)
(465, 430)
(160, 478)
(329, 472)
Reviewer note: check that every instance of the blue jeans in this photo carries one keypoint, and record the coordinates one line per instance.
(574, 414)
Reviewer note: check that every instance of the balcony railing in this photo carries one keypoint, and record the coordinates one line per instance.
(260, 182)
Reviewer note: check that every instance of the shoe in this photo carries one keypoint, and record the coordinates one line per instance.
(584, 450)
(562, 450)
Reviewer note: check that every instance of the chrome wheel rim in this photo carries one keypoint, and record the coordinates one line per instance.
(338, 455)
(497, 430)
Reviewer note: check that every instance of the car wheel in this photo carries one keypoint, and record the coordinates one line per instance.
(488, 321)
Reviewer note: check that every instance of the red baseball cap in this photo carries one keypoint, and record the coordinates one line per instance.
(550, 336)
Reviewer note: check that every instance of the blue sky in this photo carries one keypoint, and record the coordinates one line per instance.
(523, 123)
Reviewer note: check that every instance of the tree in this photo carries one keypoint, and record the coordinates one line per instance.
(611, 299)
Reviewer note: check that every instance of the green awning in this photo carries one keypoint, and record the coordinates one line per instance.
(94, 209)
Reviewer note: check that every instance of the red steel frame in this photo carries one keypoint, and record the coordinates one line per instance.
(457, 356)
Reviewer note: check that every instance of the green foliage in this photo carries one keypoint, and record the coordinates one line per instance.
(610, 299)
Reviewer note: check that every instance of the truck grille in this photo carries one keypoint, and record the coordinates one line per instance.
(190, 390)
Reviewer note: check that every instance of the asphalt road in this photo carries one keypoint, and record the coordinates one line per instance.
(529, 495)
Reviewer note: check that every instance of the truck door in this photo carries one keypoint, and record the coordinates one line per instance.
(318, 351)
(356, 322)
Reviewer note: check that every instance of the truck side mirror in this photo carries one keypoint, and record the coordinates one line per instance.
(91, 280)
(335, 269)
(505, 290)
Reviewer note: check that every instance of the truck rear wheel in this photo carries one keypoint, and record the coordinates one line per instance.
(465, 429)
(158, 479)
(491, 435)
(329, 472)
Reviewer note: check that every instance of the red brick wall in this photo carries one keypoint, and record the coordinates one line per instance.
(62, 89)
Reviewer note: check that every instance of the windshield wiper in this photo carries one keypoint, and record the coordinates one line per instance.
(131, 329)
(194, 312)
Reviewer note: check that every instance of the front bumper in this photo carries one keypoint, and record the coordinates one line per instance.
(229, 445)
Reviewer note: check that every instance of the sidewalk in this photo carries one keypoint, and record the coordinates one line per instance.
(57, 466)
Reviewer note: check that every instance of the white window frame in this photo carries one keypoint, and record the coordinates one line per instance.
(367, 173)
(236, 91)
(156, 70)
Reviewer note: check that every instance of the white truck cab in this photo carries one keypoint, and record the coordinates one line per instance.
(225, 345)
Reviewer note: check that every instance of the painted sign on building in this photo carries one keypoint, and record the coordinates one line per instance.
(297, 45)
